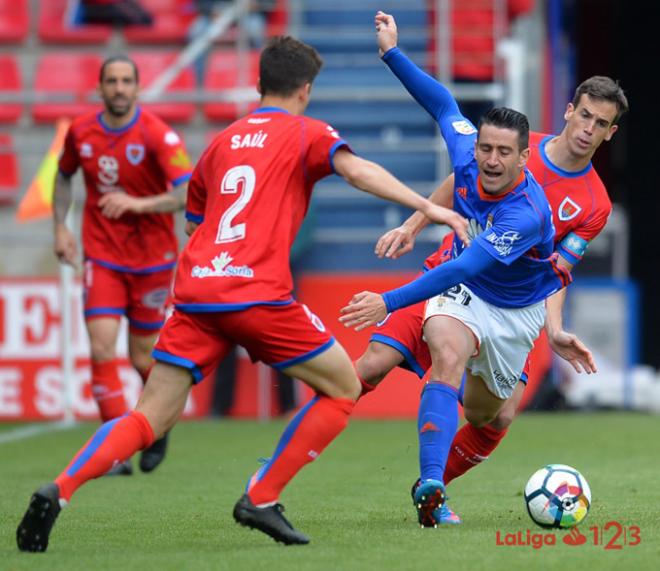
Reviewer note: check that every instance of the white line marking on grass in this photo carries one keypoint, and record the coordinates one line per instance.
(31, 430)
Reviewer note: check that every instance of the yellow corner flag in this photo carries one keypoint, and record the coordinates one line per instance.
(38, 200)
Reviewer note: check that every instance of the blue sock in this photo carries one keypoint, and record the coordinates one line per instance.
(436, 426)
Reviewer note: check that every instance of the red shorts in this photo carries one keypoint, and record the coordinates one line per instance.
(280, 336)
(141, 297)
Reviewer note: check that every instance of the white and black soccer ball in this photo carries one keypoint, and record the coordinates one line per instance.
(557, 496)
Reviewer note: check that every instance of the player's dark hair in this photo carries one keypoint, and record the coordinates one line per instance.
(506, 118)
(287, 64)
(602, 88)
(116, 59)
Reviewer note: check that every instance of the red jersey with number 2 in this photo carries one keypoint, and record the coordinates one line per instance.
(249, 193)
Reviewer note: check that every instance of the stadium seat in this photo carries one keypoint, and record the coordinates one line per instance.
(54, 26)
(151, 64)
(14, 21)
(171, 21)
(10, 85)
(62, 74)
(221, 74)
(9, 181)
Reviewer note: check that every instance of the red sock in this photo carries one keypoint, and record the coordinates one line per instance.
(310, 431)
(108, 390)
(366, 387)
(470, 447)
(114, 441)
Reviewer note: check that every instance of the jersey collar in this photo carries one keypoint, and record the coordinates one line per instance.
(126, 127)
(483, 195)
(554, 168)
(271, 110)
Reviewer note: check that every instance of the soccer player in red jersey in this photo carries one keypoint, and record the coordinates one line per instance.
(580, 207)
(136, 172)
(247, 198)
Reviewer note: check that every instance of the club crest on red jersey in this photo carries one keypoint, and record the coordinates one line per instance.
(568, 209)
(135, 153)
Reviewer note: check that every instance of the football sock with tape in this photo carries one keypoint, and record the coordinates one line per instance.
(436, 426)
(114, 441)
(309, 432)
(470, 447)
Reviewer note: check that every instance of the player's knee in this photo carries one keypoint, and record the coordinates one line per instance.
(101, 350)
(141, 361)
(370, 368)
(447, 361)
(503, 419)
(478, 418)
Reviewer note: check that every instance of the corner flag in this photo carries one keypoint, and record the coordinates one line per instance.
(38, 200)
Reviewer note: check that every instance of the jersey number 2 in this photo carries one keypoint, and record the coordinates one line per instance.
(237, 180)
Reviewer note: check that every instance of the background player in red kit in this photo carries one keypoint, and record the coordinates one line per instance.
(580, 207)
(136, 171)
(248, 194)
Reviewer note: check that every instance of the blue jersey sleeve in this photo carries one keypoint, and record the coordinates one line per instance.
(457, 131)
(469, 264)
(513, 233)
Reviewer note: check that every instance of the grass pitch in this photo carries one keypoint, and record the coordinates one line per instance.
(354, 501)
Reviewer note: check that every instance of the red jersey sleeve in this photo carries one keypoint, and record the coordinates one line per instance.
(196, 196)
(323, 143)
(69, 160)
(171, 154)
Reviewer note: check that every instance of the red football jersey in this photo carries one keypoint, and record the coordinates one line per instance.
(579, 202)
(250, 192)
(143, 158)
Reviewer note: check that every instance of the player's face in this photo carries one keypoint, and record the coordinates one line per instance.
(499, 158)
(119, 88)
(589, 124)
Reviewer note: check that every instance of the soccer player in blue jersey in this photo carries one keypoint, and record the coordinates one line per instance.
(486, 306)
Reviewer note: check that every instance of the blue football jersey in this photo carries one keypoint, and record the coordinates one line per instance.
(515, 228)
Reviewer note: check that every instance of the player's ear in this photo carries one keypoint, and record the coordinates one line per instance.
(613, 129)
(523, 157)
(569, 111)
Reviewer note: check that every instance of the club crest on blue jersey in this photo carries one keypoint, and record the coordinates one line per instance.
(568, 209)
(134, 153)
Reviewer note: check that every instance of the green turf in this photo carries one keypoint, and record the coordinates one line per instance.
(354, 502)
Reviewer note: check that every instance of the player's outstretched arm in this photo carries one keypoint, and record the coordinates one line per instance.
(64, 243)
(115, 204)
(401, 240)
(374, 179)
(567, 345)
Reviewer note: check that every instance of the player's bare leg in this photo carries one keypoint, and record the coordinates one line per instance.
(157, 411)
(139, 350)
(374, 365)
(473, 445)
(332, 376)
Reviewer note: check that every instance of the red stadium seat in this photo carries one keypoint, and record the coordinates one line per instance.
(10, 85)
(53, 26)
(9, 180)
(14, 21)
(278, 19)
(222, 74)
(171, 21)
(62, 74)
(150, 65)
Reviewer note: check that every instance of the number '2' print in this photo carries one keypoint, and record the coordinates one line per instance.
(239, 180)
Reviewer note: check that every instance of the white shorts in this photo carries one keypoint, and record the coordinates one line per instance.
(504, 336)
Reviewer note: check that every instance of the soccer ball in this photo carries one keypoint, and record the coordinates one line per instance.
(557, 496)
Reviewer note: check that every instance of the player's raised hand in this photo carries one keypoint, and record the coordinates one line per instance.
(115, 204)
(395, 243)
(65, 246)
(365, 309)
(386, 32)
(569, 347)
